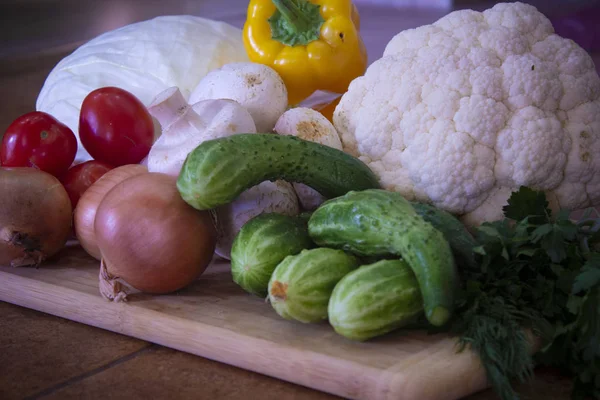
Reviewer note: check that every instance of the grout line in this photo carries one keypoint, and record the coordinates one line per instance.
(88, 374)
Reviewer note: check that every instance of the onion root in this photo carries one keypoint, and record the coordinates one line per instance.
(110, 287)
(30, 248)
(35, 216)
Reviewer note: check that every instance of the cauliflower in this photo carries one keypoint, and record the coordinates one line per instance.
(462, 112)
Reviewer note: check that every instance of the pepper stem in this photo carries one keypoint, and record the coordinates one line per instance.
(295, 22)
(292, 14)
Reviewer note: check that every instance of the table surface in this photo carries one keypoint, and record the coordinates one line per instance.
(42, 356)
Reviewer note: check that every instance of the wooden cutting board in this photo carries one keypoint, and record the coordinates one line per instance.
(216, 319)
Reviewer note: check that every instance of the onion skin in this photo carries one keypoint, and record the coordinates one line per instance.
(35, 216)
(85, 211)
(150, 238)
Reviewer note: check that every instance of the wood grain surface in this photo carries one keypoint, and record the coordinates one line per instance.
(216, 319)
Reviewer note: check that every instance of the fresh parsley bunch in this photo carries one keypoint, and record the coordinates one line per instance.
(537, 283)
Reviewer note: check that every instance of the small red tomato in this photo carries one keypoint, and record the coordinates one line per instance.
(115, 127)
(81, 176)
(38, 140)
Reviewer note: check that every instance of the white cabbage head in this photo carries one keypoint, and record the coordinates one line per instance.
(144, 58)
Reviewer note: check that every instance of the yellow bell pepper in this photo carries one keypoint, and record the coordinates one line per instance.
(313, 45)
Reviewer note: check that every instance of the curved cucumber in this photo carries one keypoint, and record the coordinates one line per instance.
(460, 240)
(218, 170)
(261, 244)
(375, 299)
(301, 285)
(377, 223)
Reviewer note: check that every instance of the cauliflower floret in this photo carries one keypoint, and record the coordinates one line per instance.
(532, 150)
(462, 112)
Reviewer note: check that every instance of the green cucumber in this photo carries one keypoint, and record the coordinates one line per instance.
(376, 222)
(261, 244)
(301, 284)
(375, 299)
(219, 170)
(460, 239)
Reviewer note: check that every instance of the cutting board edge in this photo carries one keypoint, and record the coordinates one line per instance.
(28, 298)
(368, 382)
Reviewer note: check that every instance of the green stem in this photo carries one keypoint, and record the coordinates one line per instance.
(295, 22)
(293, 14)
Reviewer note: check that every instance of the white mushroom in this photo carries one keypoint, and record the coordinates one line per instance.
(278, 196)
(257, 87)
(310, 125)
(185, 126)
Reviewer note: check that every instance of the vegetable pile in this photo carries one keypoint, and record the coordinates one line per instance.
(143, 58)
(439, 196)
(526, 293)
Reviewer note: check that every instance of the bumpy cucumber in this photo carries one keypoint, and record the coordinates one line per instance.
(460, 240)
(218, 170)
(261, 244)
(375, 299)
(301, 285)
(377, 223)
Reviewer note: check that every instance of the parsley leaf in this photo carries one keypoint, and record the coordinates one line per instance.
(526, 202)
(589, 276)
(540, 232)
(554, 242)
(540, 273)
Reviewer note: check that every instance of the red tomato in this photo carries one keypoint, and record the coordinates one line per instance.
(81, 176)
(115, 127)
(38, 140)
